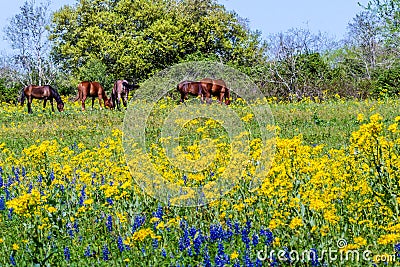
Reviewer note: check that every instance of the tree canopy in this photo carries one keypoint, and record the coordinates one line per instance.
(135, 39)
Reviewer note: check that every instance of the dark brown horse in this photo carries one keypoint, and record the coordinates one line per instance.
(120, 91)
(215, 87)
(45, 93)
(93, 90)
(189, 87)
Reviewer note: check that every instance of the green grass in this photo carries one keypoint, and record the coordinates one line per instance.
(330, 123)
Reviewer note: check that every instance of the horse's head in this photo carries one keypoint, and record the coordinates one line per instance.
(108, 103)
(60, 106)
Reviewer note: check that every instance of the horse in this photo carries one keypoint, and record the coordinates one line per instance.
(93, 90)
(215, 87)
(45, 92)
(189, 87)
(121, 90)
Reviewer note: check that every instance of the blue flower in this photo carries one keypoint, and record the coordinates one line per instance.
(397, 250)
(314, 257)
(155, 243)
(269, 237)
(30, 188)
(87, 251)
(67, 254)
(206, 262)
(120, 244)
(109, 223)
(82, 196)
(2, 203)
(163, 253)
(106, 253)
(110, 201)
(255, 239)
(138, 221)
(12, 260)
(1, 181)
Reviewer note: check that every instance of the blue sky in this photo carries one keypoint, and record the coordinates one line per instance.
(268, 16)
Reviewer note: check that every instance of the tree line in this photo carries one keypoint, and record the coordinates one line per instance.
(106, 40)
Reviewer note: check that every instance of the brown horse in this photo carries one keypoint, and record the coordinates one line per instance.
(93, 90)
(189, 87)
(45, 93)
(215, 87)
(120, 91)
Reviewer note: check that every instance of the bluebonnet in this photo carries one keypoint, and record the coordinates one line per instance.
(269, 237)
(314, 257)
(216, 232)
(109, 223)
(120, 244)
(16, 174)
(67, 254)
(23, 171)
(106, 253)
(155, 243)
(184, 242)
(30, 188)
(52, 176)
(1, 181)
(69, 229)
(83, 195)
(192, 232)
(247, 260)
(8, 196)
(163, 253)
(255, 239)
(2, 203)
(12, 260)
(76, 226)
(245, 237)
(40, 179)
(87, 251)
(138, 221)
(184, 179)
(237, 228)
(110, 201)
(397, 250)
(103, 180)
(206, 262)
(197, 243)
(221, 259)
(1, 170)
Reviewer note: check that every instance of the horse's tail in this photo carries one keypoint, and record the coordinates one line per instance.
(22, 97)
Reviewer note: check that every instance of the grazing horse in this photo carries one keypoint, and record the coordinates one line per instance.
(189, 87)
(215, 87)
(121, 91)
(93, 90)
(45, 92)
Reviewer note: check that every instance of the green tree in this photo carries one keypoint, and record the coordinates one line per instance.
(135, 39)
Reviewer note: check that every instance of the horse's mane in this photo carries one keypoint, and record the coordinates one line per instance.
(57, 96)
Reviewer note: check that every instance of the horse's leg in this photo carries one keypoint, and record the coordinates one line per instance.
(100, 99)
(125, 100)
(119, 101)
(52, 106)
(29, 104)
(83, 103)
(44, 103)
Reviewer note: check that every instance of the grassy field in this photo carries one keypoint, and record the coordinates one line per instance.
(67, 196)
